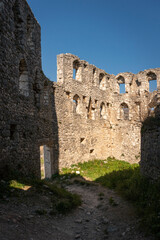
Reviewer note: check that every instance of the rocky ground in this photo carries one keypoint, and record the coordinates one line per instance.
(102, 215)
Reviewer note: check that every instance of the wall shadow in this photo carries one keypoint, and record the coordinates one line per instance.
(150, 145)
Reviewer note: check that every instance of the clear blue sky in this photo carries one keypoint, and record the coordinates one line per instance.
(115, 35)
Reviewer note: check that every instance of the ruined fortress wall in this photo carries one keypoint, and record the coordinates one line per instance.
(81, 117)
(150, 161)
(90, 111)
(26, 96)
(150, 143)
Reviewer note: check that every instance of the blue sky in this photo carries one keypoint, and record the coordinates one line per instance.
(114, 35)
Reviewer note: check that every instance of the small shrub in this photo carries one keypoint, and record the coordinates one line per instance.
(112, 202)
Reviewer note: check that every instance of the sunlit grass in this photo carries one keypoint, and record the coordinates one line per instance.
(16, 184)
(126, 179)
(98, 168)
(62, 201)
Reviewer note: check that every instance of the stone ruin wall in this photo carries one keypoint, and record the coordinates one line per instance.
(27, 118)
(150, 143)
(90, 131)
(79, 118)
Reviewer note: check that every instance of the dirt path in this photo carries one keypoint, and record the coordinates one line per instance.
(96, 219)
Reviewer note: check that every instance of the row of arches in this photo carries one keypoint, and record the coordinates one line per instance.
(91, 109)
(150, 76)
(103, 78)
(77, 74)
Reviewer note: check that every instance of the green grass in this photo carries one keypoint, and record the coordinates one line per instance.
(62, 201)
(98, 168)
(65, 201)
(16, 184)
(127, 180)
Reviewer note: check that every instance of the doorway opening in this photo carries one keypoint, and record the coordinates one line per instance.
(46, 156)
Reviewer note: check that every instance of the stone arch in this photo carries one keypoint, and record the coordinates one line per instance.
(23, 78)
(152, 79)
(124, 111)
(102, 81)
(102, 111)
(77, 70)
(121, 83)
(76, 104)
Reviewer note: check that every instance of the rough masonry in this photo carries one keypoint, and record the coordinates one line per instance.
(82, 116)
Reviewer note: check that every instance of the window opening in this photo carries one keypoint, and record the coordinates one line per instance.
(152, 78)
(124, 111)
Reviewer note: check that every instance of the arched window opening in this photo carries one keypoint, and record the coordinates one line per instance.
(102, 81)
(23, 78)
(30, 31)
(102, 111)
(124, 111)
(152, 78)
(76, 104)
(121, 82)
(90, 110)
(77, 70)
(138, 83)
(68, 95)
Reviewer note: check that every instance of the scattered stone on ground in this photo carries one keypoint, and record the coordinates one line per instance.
(96, 219)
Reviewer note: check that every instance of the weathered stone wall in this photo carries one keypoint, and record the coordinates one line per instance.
(27, 118)
(81, 117)
(150, 145)
(94, 119)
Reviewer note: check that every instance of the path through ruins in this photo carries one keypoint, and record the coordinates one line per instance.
(96, 219)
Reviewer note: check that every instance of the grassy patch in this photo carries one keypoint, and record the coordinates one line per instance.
(126, 179)
(98, 168)
(61, 200)
(65, 201)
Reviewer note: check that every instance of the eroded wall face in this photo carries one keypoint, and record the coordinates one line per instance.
(83, 116)
(95, 119)
(26, 120)
(150, 144)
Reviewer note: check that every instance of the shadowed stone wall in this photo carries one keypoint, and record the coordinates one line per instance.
(28, 118)
(82, 116)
